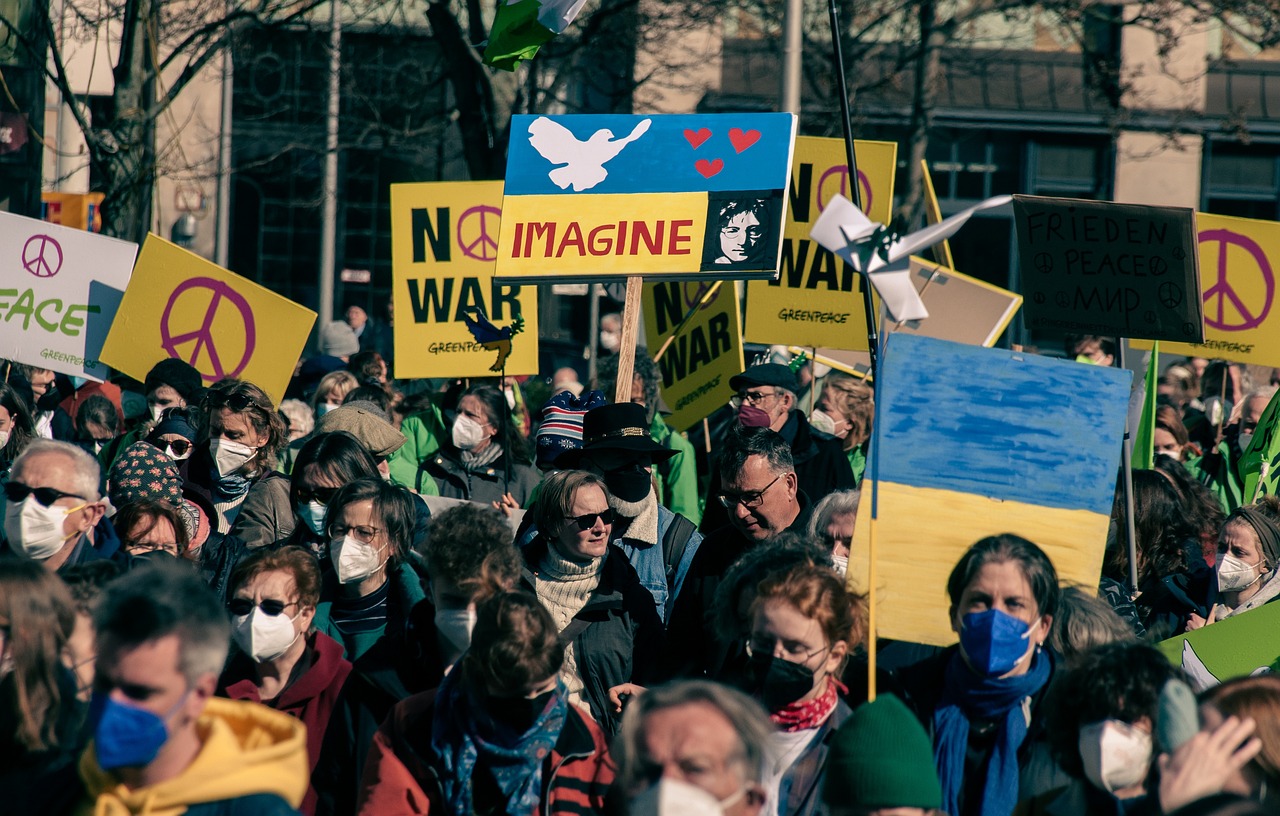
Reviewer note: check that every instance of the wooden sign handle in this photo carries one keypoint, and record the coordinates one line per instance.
(627, 351)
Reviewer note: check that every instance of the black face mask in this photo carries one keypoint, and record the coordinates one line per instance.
(631, 483)
(778, 682)
(518, 713)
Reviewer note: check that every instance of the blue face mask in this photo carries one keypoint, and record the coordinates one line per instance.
(125, 736)
(312, 514)
(993, 641)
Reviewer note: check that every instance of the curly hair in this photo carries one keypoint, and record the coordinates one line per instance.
(1162, 529)
(856, 400)
(470, 546)
(258, 410)
(1200, 507)
(820, 595)
(514, 645)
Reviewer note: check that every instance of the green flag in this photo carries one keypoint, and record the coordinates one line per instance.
(1259, 465)
(521, 27)
(1144, 456)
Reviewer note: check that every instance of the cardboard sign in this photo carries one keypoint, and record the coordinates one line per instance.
(1239, 258)
(1095, 267)
(451, 318)
(180, 305)
(673, 196)
(816, 300)
(1234, 647)
(971, 442)
(59, 292)
(961, 309)
(696, 367)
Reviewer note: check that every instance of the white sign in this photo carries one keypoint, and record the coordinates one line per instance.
(59, 291)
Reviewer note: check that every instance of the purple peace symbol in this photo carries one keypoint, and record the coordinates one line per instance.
(1246, 316)
(481, 241)
(203, 336)
(842, 172)
(42, 256)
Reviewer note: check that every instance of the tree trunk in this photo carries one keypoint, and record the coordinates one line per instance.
(928, 69)
(128, 154)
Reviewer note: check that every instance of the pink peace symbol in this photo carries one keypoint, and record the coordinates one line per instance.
(42, 256)
(483, 246)
(203, 336)
(1218, 317)
(700, 289)
(842, 171)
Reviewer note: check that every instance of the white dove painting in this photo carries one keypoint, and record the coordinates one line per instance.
(579, 163)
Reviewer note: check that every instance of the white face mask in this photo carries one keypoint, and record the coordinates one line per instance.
(1116, 755)
(610, 340)
(1235, 575)
(673, 797)
(34, 530)
(820, 420)
(325, 407)
(230, 455)
(312, 514)
(261, 636)
(467, 433)
(4, 438)
(156, 411)
(454, 627)
(353, 560)
(841, 564)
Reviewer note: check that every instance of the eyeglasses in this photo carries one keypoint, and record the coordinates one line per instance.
(269, 606)
(16, 492)
(176, 447)
(792, 651)
(752, 498)
(751, 397)
(236, 402)
(358, 532)
(586, 522)
(324, 495)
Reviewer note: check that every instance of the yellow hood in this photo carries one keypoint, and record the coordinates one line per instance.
(248, 749)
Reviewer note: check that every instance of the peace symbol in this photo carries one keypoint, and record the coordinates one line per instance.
(1170, 294)
(203, 336)
(700, 289)
(1239, 316)
(841, 174)
(42, 256)
(480, 238)
(1043, 262)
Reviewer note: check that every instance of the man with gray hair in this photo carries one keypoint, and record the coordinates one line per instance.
(670, 729)
(53, 512)
(160, 740)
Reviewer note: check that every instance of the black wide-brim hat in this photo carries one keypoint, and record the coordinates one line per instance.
(620, 427)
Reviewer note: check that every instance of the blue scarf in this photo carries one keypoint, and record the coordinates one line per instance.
(226, 488)
(461, 733)
(967, 695)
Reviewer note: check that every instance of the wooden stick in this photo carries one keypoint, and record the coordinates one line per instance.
(702, 301)
(706, 435)
(627, 351)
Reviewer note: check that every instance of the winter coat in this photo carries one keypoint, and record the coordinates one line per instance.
(266, 514)
(486, 485)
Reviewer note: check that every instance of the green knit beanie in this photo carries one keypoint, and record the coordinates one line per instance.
(882, 758)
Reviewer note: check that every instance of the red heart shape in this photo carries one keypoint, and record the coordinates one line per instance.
(708, 168)
(743, 139)
(697, 137)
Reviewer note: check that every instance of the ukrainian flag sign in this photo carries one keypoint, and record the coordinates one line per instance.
(973, 442)
(671, 196)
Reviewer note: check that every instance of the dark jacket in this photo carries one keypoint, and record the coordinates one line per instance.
(266, 514)
(216, 558)
(485, 485)
(38, 782)
(802, 783)
(621, 636)
(693, 650)
(399, 778)
(310, 695)
(822, 467)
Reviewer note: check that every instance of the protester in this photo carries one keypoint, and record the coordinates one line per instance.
(694, 747)
(332, 390)
(175, 434)
(982, 700)
(369, 369)
(832, 525)
(498, 736)
(40, 714)
(1083, 623)
(371, 333)
(845, 410)
(170, 384)
(1248, 554)
(326, 462)
(16, 427)
(301, 419)
(280, 659)
(1201, 510)
(150, 528)
(762, 499)
(766, 398)
(1220, 469)
(566, 379)
(560, 426)
(423, 430)
(608, 620)
(881, 764)
(1170, 435)
(152, 516)
(485, 459)
(610, 336)
(1244, 699)
(370, 426)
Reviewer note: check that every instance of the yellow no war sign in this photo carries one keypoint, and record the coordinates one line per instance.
(451, 318)
(180, 305)
(816, 301)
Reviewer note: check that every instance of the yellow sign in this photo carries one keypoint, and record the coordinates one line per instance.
(817, 300)
(179, 305)
(75, 210)
(452, 319)
(1239, 262)
(933, 213)
(706, 352)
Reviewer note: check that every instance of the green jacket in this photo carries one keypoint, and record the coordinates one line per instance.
(858, 462)
(677, 477)
(423, 430)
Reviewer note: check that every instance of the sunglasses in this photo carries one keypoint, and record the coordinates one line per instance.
(589, 520)
(324, 495)
(269, 606)
(236, 402)
(177, 447)
(16, 492)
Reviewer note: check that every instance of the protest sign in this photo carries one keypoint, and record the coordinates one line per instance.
(817, 299)
(444, 241)
(1234, 647)
(933, 215)
(61, 289)
(706, 351)
(180, 305)
(961, 309)
(1096, 267)
(673, 196)
(970, 442)
(1238, 262)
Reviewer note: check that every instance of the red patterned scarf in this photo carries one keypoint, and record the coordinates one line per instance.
(799, 716)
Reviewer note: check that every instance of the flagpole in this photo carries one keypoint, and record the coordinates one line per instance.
(1126, 478)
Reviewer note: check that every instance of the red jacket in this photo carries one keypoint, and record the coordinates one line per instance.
(309, 698)
(399, 781)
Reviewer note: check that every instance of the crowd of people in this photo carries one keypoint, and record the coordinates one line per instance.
(486, 597)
